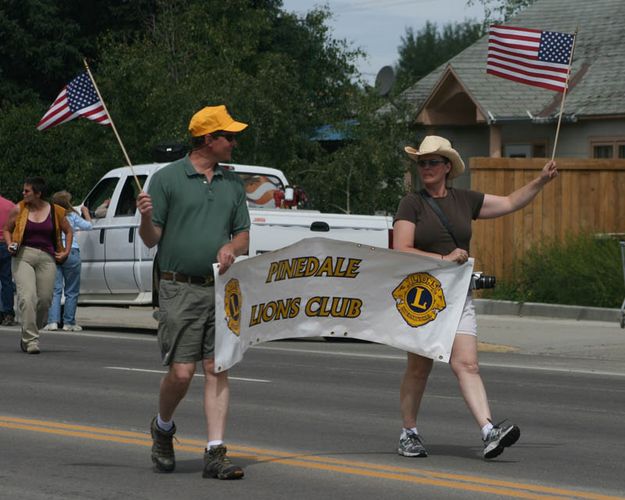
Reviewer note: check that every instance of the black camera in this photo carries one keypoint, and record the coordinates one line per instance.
(479, 281)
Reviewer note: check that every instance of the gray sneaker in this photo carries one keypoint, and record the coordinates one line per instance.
(9, 320)
(217, 464)
(499, 438)
(33, 348)
(410, 445)
(162, 448)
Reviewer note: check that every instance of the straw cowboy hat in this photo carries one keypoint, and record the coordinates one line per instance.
(435, 145)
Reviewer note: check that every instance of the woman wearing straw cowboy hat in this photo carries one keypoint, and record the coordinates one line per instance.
(419, 229)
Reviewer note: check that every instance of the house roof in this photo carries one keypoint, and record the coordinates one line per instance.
(596, 85)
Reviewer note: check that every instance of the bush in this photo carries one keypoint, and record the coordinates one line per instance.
(581, 270)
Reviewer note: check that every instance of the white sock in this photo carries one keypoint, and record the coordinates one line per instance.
(215, 442)
(166, 426)
(486, 429)
(405, 430)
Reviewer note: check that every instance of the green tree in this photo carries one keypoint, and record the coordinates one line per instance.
(366, 174)
(68, 157)
(282, 73)
(500, 10)
(35, 45)
(425, 50)
(42, 42)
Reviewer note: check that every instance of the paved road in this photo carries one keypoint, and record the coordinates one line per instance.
(312, 419)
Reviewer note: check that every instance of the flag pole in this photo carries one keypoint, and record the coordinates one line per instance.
(121, 144)
(568, 76)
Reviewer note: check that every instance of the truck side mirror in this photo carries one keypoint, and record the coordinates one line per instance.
(289, 194)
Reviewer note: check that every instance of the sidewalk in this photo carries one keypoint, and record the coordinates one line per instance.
(141, 317)
(563, 336)
(553, 311)
(116, 317)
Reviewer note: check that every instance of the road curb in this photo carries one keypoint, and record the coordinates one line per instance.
(558, 311)
(142, 317)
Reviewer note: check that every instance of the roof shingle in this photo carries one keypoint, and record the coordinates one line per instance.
(598, 69)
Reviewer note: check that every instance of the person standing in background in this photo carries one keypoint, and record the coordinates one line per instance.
(33, 237)
(7, 314)
(68, 273)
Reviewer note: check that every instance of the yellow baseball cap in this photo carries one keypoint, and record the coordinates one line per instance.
(213, 118)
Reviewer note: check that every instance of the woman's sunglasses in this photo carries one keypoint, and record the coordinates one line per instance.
(430, 163)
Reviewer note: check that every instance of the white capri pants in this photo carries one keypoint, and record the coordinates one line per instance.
(468, 322)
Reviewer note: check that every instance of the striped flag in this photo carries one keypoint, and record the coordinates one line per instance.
(533, 57)
(78, 98)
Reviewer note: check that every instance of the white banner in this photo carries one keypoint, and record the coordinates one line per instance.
(324, 287)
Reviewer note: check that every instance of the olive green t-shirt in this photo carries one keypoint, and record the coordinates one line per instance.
(197, 217)
(460, 206)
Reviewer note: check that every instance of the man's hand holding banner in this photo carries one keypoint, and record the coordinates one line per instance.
(324, 287)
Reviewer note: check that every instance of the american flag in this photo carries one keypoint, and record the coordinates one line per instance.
(78, 98)
(533, 57)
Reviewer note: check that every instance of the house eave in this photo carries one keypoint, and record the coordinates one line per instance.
(427, 113)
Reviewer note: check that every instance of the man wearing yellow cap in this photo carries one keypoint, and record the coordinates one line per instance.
(196, 213)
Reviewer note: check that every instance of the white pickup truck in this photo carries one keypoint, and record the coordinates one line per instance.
(117, 268)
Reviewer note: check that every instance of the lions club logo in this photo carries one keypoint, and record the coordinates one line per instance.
(419, 298)
(232, 305)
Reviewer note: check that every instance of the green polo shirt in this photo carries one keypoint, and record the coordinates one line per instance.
(197, 217)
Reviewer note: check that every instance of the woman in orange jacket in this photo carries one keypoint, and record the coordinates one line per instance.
(33, 237)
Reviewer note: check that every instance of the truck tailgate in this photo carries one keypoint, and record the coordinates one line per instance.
(275, 229)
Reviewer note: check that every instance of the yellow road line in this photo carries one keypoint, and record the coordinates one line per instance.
(488, 347)
(309, 461)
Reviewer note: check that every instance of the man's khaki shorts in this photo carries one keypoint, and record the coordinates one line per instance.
(186, 322)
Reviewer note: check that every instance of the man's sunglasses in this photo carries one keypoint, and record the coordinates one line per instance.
(430, 163)
(229, 136)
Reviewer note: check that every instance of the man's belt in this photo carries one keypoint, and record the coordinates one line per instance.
(185, 278)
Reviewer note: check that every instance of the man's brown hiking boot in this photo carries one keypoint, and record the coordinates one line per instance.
(217, 464)
(162, 448)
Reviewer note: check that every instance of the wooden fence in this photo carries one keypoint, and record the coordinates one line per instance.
(588, 195)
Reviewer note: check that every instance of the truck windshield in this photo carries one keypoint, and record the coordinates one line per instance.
(261, 190)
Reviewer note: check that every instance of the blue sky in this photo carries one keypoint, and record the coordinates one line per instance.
(378, 25)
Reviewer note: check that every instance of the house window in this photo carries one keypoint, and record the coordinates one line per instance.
(608, 148)
(517, 150)
(536, 150)
(602, 151)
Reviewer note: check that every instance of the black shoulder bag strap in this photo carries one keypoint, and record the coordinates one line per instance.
(441, 215)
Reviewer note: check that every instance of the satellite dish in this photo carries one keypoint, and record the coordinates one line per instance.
(384, 81)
